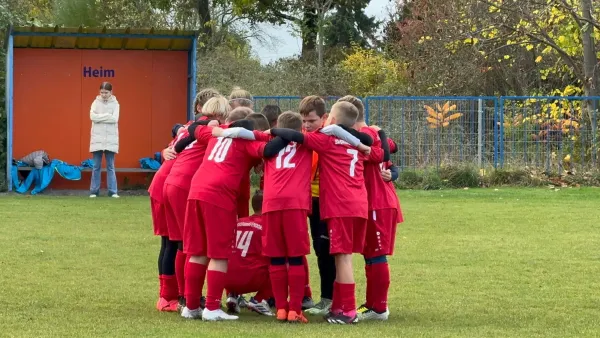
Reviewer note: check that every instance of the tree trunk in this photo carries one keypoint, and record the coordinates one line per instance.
(590, 74)
(309, 30)
(589, 51)
(204, 16)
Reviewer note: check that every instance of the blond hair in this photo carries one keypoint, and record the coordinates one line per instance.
(241, 98)
(217, 107)
(239, 113)
(357, 103)
(345, 113)
(290, 120)
(203, 96)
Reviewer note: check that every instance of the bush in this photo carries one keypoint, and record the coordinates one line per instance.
(460, 176)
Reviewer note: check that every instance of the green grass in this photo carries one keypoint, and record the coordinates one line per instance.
(476, 263)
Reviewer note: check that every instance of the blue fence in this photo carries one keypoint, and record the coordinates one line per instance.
(544, 132)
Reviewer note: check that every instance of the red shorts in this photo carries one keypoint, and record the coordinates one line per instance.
(241, 279)
(175, 203)
(381, 233)
(346, 235)
(159, 222)
(286, 233)
(208, 230)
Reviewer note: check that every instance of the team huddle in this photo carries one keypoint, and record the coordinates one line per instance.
(331, 169)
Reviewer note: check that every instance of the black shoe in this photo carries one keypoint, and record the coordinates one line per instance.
(340, 318)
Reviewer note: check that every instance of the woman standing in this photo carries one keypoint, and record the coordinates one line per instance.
(104, 138)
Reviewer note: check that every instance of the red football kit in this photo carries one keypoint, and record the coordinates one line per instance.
(342, 193)
(212, 201)
(177, 184)
(155, 190)
(248, 269)
(286, 200)
(383, 206)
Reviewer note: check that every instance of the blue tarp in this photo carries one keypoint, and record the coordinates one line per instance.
(40, 178)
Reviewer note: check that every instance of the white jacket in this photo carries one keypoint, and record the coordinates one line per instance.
(105, 125)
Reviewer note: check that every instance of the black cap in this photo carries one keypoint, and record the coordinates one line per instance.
(175, 129)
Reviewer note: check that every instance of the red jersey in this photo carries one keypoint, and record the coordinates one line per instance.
(391, 189)
(189, 159)
(219, 178)
(248, 244)
(158, 181)
(287, 178)
(341, 182)
(378, 195)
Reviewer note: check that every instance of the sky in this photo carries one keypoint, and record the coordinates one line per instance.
(284, 44)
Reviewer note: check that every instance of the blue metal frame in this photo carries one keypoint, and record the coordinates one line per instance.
(9, 108)
(192, 67)
(105, 35)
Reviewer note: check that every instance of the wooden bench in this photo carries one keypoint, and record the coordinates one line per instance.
(119, 170)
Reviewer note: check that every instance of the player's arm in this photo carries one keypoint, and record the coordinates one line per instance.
(184, 142)
(393, 146)
(395, 172)
(288, 134)
(341, 133)
(274, 146)
(380, 154)
(384, 145)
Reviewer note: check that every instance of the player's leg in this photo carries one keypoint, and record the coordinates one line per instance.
(297, 245)
(194, 247)
(380, 239)
(274, 247)
(347, 236)
(220, 227)
(176, 202)
(165, 301)
(307, 301)
(170, 291)
(325, 261)
(261, 282)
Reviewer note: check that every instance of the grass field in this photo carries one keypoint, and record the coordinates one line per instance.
(475, 263)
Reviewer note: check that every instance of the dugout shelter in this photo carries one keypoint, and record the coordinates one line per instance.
(54, 74)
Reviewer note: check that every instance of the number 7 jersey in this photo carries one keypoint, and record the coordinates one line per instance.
(342, 191)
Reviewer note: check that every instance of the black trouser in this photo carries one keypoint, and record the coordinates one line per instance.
(320, 238)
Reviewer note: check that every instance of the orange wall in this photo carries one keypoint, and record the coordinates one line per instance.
(52, 100)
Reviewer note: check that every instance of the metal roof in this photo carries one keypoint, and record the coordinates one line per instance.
(102, 38)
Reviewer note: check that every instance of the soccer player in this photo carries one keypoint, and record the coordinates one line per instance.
(343, 201)
(384, 215)
(203, 96)
(177, 184)
(271, 112)
(248, 269)
(286, 204)
(209, 230)
(166, 259)
(312, 110)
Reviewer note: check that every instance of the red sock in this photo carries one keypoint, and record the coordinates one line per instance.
(215, 284)
(307, 290)
(194, 281)
(180, 272)
(336, 302)
(170, 290)
(348, 298)
(296, 282)
(370, 285)
(279, 282)
(161, 285)
(381, 279)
